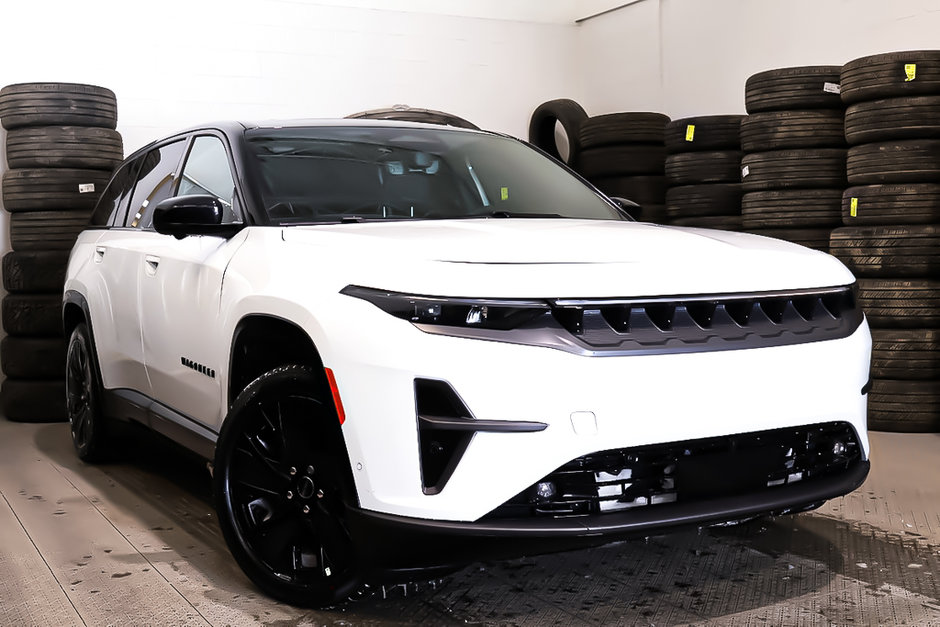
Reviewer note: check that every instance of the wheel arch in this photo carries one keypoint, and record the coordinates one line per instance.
(262, 342)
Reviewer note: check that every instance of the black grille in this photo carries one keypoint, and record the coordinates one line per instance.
(710, 323)
(695, 470)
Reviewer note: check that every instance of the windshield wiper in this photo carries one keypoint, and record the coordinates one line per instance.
(515, 214)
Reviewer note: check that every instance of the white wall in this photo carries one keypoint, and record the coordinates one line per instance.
(177, 63)
(692, 57)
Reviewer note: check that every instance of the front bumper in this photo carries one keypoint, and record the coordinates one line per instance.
(589, 404)
(397, 544)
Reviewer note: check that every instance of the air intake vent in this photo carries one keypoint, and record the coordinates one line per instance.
(681, 472)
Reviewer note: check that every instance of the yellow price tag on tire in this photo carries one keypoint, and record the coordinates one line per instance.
(910, 72)
(853, 207)
(689, 132)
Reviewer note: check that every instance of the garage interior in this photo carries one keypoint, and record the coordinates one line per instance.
(137, 542)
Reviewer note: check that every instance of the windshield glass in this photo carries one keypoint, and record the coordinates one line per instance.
(331, 174)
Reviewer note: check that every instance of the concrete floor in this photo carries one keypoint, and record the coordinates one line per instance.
(138, 543)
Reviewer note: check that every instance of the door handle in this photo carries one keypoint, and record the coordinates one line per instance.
(99, 254)
(150, 265)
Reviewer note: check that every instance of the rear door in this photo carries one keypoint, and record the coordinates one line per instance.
(118, 254)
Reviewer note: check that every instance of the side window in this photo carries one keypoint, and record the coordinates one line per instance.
(207, 171)
(112, 206)
(154, 182)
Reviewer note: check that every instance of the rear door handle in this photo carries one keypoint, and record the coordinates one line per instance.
(99, 253)
(150, 265)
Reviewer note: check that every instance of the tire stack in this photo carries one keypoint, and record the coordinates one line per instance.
(793, 169)
(624, 155)
(61, 149)
(891, 238)
(703, 172)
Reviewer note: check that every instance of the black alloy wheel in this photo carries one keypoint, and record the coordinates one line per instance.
(82, 397)
(279, 489)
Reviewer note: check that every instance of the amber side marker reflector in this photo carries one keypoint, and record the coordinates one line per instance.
(337, 401)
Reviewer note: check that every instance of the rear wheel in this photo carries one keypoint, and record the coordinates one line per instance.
(280, 482)
(82, 393)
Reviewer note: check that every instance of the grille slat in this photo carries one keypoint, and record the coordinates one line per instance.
(711, 323)
(695, 470)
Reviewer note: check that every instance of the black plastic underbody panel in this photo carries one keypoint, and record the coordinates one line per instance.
(400, 544)
(124, 404)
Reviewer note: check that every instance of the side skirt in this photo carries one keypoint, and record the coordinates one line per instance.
(129, 405)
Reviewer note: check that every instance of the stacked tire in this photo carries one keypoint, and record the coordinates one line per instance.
(891, 237)
(703, 172)
(624, 155)
(61, 149)
(793, 169)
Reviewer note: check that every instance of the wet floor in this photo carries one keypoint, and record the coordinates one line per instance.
(137, 542)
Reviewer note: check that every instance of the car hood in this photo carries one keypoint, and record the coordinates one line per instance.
(562, 257)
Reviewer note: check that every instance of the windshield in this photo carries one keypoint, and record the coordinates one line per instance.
(353, 173)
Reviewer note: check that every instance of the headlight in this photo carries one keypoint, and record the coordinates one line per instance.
(482, 313)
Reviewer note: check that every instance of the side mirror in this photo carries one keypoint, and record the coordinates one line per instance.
(627, 207)
(192, 215)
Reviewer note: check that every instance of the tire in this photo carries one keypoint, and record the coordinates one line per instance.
(622, 128)
(914, 203)
(689, 168)
(807, 87)
(57, 104)
(916, 117)
(87, 424)
(884, 76)
(622, 160)
(52, 188)
(542, 127)
(35, 271)
(47, 230)
(777, 130)
(38, 315)
(889, 251)
(640, 189)
(900, 304)
(691, 201)
(817, 239)
(64, 147)
(904, 406)
(708, 132)
(26, 400)
(792, 208)
(32, 357)
(821, 168)
(300, 462)
(722, 223)
(907, 354)
(904, 161)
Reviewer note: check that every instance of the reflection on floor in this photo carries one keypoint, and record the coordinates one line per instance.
(137, 542)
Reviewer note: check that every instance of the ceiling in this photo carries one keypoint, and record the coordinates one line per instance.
(540, 11)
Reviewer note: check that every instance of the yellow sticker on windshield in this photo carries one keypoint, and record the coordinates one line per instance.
(853, 207)
(689, 132)
(910, 71)
(504, 193)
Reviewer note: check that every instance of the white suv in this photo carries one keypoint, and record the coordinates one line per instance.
(406, 347)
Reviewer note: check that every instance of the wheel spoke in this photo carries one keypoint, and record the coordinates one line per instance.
(275, 541)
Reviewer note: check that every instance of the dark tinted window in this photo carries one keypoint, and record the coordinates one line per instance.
(112, 206)
(155, 182)
(322, 174)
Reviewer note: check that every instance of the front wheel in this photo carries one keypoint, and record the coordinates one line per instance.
(279, 482)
